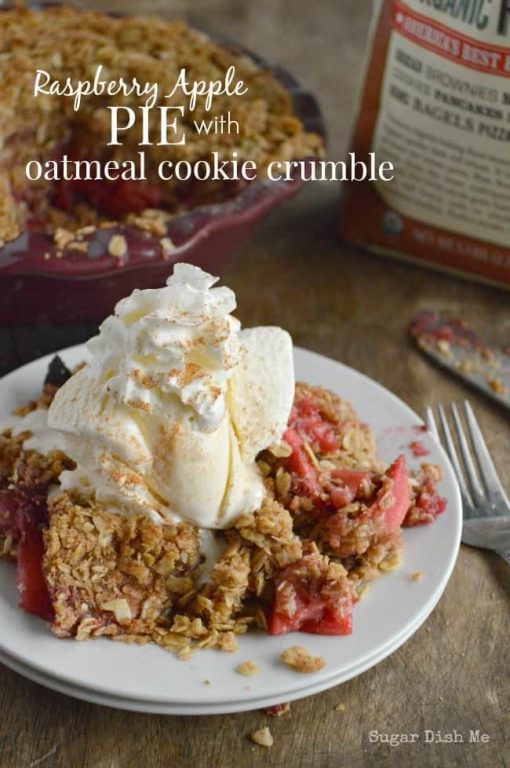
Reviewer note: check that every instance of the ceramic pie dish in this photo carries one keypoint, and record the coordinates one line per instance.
(42, 282)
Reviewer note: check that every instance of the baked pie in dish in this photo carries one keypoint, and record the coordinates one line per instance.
(72, 45)
(125, 233)
(180, 487)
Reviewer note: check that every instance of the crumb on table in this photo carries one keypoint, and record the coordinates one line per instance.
(417, 576)
(277, 710)
(263, 737)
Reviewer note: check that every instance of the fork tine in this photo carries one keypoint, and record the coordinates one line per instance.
(431, 423)
(452, 453)
(477, 492)
(489, 475)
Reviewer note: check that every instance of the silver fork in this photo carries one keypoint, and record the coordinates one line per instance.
(485, 504)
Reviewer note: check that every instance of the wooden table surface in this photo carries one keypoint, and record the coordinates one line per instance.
(453, 673)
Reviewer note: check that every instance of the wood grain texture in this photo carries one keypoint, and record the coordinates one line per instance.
(453, 674)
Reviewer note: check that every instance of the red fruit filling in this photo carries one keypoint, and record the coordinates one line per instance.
(350, 482)
(109, 198)
(394, 497)
(300, 464)
(426, 504)
(112, 198)
(116, 198)
(306, 601)
(24, 519)
(418, 449)
(34, 594)
(307, 420)
(10, 504)
(307, 427)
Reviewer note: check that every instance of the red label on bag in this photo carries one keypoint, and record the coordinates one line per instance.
(448, 43)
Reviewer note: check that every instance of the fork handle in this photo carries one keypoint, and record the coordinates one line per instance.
(505, 555)
(488, 532)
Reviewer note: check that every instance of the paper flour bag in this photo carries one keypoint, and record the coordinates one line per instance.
(436, 103)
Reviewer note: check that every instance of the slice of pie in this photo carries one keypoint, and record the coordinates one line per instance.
(179, 487)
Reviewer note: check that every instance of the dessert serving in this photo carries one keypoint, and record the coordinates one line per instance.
(180, 488)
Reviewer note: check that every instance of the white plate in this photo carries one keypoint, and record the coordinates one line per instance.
(149, 707)
(392, 610)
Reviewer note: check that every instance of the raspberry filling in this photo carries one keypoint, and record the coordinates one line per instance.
(23, 519)
(308, 431)
(302, 600)
(305, 600)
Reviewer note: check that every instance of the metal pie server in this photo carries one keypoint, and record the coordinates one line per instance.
(454, 346)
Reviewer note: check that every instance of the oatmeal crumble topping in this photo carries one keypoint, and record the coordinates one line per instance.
(110, 574)
(167, 246)
(117, 246)
(247, 668)
(299, 658)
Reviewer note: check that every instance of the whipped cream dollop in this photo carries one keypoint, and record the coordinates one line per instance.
(176, 402)
(179, 340)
